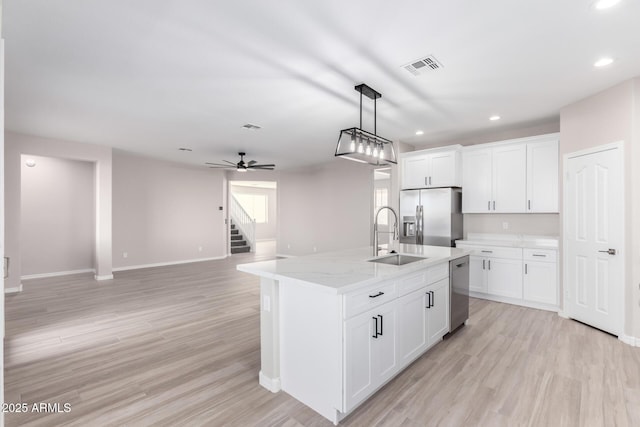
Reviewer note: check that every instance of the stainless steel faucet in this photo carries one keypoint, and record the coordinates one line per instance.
(376, 249)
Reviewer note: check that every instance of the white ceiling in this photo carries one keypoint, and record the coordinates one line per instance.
(151, 76)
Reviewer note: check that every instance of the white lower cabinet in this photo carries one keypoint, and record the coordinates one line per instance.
(504, 277)
(438, 311)
(370, 352)
(521, 276)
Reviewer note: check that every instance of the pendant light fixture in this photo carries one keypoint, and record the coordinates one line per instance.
(362, 146)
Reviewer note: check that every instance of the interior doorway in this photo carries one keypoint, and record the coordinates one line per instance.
(594, 237)
(253, 217)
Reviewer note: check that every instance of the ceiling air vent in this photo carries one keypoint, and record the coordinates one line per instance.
(251, 126)
(423, 66)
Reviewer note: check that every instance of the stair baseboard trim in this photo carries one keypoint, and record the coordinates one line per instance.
(15, 290)
(165, 264)
(56, 274)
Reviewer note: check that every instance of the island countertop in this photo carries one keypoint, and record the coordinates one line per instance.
(347, 270)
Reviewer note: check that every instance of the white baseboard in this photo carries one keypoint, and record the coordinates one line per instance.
(57, 273)
(271, 384)
(164, 264)
(13, 290)
(104, 277)
(632, 341)
(514, 301)
(562, 314)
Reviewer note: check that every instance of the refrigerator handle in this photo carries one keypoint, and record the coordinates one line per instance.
(419, 225)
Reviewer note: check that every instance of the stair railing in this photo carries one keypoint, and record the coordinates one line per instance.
(244, 222)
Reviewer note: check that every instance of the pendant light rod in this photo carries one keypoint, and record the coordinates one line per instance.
(371, 94)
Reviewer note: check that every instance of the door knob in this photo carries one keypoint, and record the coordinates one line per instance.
(609, 251)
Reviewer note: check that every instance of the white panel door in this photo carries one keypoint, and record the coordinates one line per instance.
(504, 277)
(442, 170)
(412, 325)
(414, 172)
(593, 228)
(542, 176)
(509, 178)
(476, 181)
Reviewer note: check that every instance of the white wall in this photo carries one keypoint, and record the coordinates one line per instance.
(268, 230)
(165, 212)
(57, 226)
(611, 116)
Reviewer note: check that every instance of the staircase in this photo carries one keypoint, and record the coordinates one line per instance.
(238, 242)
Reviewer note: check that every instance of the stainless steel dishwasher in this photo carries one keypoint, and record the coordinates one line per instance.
(459, 296)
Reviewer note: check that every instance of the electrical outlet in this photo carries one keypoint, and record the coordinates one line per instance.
(288, 246)
(315, 249)
(505, 225)
(266, 303)
(199, 248)
(125, 255)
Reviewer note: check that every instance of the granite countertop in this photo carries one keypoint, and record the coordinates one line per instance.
(347, 270)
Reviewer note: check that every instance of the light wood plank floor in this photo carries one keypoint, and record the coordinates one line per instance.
(180, 346)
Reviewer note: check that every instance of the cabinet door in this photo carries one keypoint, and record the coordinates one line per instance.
(476, 181)
(438, 313)
(414, 172)
(504, 277)
(509, 178)
(412, 325)
(477, 274)
(542, 176)
(442, 169)
(385, 348)
(358, 343)
(540, 282)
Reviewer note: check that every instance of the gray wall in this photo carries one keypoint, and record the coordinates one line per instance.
(610, 116)
(165, 212)
(57, 216)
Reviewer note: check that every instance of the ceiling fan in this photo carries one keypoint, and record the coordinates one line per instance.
(241, 166)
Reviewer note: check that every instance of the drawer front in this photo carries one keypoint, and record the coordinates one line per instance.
(548, 255)
(495, 251)
(373, 296)
(410, 283)
(437, 272)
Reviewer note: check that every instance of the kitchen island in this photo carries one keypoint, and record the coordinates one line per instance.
(335, 327)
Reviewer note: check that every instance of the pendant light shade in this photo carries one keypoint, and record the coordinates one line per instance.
(361, 146)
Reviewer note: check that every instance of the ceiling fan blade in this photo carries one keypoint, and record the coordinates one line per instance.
(260, 166)
(219, 164)
(222, 167)
(252, 162)
(231, 163)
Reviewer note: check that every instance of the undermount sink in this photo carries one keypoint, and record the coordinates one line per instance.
(397, 259)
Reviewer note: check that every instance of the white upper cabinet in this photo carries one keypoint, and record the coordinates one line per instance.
(431, 168)
(516, 176)
(542, 176)
(509, 178)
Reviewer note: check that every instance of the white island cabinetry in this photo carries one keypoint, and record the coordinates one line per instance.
(334, 341)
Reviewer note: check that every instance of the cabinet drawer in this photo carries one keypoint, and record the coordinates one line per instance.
(410, 283)
(373, 296)
(495, 251)
(548, 255)
(437, 272)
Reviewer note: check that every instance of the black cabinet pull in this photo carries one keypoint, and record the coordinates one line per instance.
(429, 303)
(433, 298)
(376, 327)
(483, 261)
(376, 295)
(381, 325)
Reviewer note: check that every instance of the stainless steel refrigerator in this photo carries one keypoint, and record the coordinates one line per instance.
(431, 217)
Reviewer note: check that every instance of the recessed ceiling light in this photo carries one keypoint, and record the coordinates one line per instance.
(419, 132)
(30, 163)
(605, 4)
(185, 149)
(494, 118)
(603, 62)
